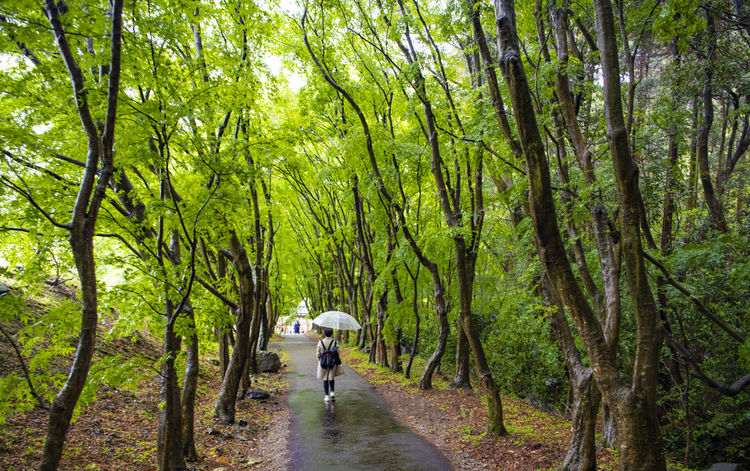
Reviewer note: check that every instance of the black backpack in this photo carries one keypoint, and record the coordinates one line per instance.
(330, 356)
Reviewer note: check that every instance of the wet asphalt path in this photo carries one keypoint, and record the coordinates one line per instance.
(356, 432)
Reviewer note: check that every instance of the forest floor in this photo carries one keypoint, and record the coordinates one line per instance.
(118, 430)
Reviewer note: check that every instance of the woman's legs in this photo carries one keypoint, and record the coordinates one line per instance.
(325, 386)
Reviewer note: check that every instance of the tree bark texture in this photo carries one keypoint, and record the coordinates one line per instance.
(190, 389)
(629, 400)
(462, 378)
(169, 443)
(639, 440)
(225, 402)
(99, 161)
(581, 455)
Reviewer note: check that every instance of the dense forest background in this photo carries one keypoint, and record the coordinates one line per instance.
(541, 198)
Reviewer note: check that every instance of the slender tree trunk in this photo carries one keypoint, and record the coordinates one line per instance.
(415, 344)
(266, 329)
(415, 310)
(246, 382)
(223, 332)
(585, 396)
(723, 142)
(224, 342)
(381, 355)
(668, 208)
(465, 269)
(190, 389)
(714, 207)
(225, 402)
(64, 403)
(170, 443)
(693, 164)
(425, 381)
(396, 344)
(99, 162)
(462, 378)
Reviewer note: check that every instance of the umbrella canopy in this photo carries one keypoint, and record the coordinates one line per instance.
(337, 320)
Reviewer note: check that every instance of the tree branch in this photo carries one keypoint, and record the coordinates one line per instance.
(39, 399)
(728, 390)
(26, 194)
(701, 307)
(216, 293)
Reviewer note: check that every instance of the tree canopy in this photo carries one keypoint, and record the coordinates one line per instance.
(547, 199)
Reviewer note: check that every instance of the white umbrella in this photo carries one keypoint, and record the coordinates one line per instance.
(337, 320)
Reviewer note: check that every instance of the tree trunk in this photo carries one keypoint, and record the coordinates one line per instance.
(170, 443)
(246, 382)
(639, 434)
(581, 455)
(225, 340)
(381, 355)
(465, 273)
(714, 207)
(462, 378)
(225, 402)
(395, 365)
(224, 331)
(668, 208)
(62, 407)
(425, 381)
(189, 389)
(415, 310)
(99, 162)
(639, 446)
(552, 251)
(415, 344)
(693, 164)
(585, 398)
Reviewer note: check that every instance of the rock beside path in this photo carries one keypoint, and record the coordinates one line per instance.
(258, 394)
(267, 362)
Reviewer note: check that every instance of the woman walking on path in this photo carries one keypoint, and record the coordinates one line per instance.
(327, 375)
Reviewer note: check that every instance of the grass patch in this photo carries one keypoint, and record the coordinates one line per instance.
(359, 361)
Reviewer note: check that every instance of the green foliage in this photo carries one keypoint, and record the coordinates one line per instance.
(215, 125)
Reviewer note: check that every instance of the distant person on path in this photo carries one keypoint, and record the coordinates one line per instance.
(328, 345)
(296, 327)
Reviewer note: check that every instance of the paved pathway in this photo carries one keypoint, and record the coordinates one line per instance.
(354, 433)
